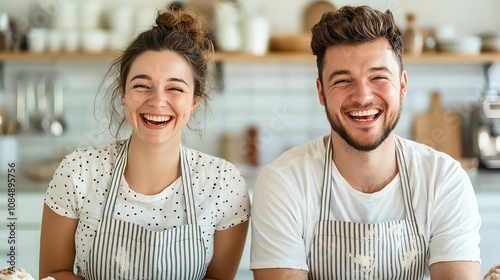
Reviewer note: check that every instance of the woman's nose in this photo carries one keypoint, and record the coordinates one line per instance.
(157, 98)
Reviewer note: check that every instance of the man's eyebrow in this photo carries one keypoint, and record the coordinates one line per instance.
(380, 69)
(347, 72)
(338, 73)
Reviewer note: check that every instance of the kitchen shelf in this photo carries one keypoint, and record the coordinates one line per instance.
(486, 58)
(50, 56)
(292, 57)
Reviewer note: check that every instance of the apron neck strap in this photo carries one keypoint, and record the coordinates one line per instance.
(117, 177)
(404, 174)
(327, 183)
(187, 186)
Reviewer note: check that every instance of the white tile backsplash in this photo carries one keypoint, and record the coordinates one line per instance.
(280, 98)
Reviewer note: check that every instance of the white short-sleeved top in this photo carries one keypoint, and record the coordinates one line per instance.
(81, 183)
(287, 198)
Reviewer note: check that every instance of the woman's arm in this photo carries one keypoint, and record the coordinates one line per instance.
(228, 247)
(57, 245)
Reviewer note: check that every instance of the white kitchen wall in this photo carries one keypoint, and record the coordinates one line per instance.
(279, 98)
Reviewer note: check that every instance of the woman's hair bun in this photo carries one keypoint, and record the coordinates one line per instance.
(184, 22)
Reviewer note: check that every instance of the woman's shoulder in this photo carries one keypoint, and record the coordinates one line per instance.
(199, 157)
(101, 155)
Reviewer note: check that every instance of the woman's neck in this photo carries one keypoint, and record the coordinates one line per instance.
(150, 169)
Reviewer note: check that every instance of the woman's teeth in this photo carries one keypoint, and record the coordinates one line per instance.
(156, 120)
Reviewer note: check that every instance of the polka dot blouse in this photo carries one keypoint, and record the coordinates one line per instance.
(81, 183)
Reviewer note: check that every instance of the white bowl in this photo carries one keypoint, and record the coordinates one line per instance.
(461, 45)
(94, 40)
(71, 40)
(37, 40)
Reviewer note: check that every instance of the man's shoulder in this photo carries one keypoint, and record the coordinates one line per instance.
(418, 154)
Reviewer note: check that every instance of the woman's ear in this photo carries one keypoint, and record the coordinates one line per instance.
(196, 100)
(122, 93)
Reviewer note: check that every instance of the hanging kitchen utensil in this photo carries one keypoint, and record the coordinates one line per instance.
(32, 102)
(42, 104)
(314, 11)
(57, 125)
(440, 129)
(21, 108)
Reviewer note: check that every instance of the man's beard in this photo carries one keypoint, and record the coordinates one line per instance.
(364, 146)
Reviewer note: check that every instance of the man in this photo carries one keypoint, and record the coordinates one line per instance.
(363, 203)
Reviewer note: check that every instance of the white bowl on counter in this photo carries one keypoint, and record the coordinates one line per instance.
(461, 45)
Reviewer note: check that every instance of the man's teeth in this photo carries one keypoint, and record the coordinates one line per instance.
(363, 113)
(157, 118)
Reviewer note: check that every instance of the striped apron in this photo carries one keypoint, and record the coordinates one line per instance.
(124, 250)
(387, 250)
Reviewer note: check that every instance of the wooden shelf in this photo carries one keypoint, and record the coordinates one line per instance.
(487, 57)
(292, 57)
(308, 57)
(49, 56)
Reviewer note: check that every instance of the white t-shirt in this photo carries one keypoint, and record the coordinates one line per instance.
(81, 183)
(286, 205)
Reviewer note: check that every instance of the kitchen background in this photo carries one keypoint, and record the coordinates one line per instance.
(274, 98)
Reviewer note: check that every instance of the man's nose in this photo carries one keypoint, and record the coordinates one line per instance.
(362, 93)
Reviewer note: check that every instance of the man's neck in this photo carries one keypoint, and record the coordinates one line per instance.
(366, 172)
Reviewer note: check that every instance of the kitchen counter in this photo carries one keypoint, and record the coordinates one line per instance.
(485, 180)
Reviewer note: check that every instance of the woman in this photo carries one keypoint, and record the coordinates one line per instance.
(148, 207)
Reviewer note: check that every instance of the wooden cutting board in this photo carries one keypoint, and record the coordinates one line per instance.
(439, 128)
(313, 12)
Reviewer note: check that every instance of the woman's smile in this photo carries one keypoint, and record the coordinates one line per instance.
(155, 121)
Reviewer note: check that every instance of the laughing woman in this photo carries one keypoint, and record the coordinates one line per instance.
(147, 207)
